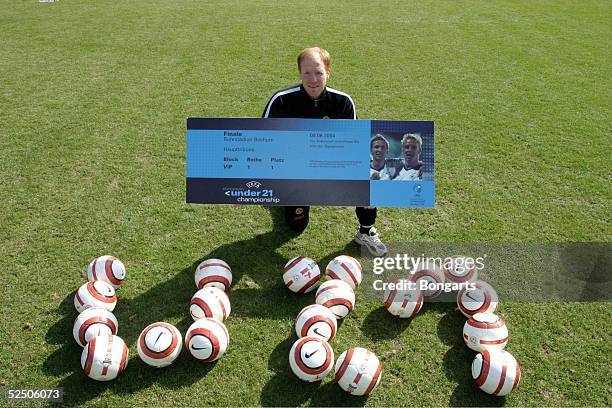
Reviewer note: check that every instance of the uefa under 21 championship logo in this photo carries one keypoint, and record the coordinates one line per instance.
(252, 194)
(253, 184)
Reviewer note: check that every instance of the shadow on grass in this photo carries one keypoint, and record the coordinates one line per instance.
(285, 389)
(382, 325)
(78, 389)
(450, 325)
(331, 395)
(260, 294)
(57, 333)
(457, 363)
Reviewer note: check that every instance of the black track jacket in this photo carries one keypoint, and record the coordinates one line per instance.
(294, 102)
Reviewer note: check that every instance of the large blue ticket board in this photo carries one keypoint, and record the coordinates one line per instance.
(380, 163)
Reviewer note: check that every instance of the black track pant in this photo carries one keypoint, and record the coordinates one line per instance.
(297, 217)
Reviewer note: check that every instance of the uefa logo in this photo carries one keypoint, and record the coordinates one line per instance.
(253, 184)
(418, 188)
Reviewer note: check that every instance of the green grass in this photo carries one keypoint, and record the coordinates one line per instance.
(94, 98)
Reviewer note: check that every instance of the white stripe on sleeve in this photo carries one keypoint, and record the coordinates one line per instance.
(276, 95)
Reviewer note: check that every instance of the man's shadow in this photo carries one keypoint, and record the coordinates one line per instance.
(457, 363)
(284, 388)
(257, 292)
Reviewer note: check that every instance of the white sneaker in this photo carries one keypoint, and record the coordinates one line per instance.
(372, 242)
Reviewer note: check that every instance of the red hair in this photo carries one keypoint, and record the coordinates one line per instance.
(321, 52)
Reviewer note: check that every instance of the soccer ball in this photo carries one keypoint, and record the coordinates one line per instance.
(403, 301)
(496, 372)
(337, 296)
(485, 331)
(106, 268)
(301, 274)
(95, 294)
(93, 322)
(104, 358)
(207, 339)
(358, 371)
(316, 320)
(481, 299)
(210, 302)
(213, 272)
(430, 273)
(159, 344)
(311, 358)
(460, 269)
(345, 268)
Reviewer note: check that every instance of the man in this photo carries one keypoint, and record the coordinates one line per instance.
(411, 167)
(313, 99)
(379, 169)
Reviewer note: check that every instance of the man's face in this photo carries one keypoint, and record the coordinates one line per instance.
(379, 150)
(411, 151)
(313, 75)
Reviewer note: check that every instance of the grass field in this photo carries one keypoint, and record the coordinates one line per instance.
(93, 101)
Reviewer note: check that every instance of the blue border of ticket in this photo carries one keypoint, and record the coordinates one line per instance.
(304, 162)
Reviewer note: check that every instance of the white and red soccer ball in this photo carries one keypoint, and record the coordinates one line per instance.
(316, 320)
(345, 268)
(301, 274)
(460, 269)
(402, 300)
(207, 339)
(213, 272)
(311, 358)
(358, 371)
(482, 299)
(94, 322)
(104, 358)
(106, 268)
(496, 372)
(210, 302)
(485, 331)
(95, 294)
(431, 274)
(337, 296)
(159, 344)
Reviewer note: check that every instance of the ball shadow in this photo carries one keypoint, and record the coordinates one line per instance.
(78, 389)
(279, 358)
(57, 332)
(382, 325)
(66, 359)
(257, 292)
(170, 300)
(457, 363)
(331, 395)
(450, 326)
(284, 388)
(457, 366)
